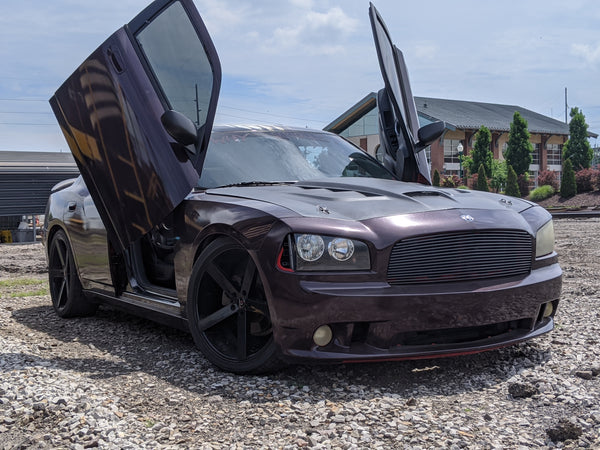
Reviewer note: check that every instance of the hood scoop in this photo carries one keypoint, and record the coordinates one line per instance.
(433, 198)
(314, 189)
(416, 194)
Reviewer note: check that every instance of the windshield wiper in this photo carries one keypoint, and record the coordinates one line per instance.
(256, 183)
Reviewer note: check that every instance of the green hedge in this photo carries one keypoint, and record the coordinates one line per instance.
(541, 193)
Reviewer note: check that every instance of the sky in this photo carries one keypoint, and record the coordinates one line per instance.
(305, 62)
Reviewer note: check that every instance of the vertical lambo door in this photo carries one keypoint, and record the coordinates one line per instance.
(137, 116)
(400, 135)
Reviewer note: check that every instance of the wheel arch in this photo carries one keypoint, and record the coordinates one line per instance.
(52, 230)
(267, 357)
(206, 237)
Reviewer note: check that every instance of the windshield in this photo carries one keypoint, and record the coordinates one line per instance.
(237, 157)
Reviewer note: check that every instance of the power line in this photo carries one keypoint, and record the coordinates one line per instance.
(270, 114)
(23, 99)
(29, 124)
(25, 112)
(220, 107)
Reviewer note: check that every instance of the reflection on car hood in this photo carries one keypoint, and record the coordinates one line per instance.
(365, 198)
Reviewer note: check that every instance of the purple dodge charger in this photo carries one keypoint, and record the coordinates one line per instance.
(274, 245)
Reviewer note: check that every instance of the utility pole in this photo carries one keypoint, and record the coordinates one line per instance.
(566, 105)
(198, 107)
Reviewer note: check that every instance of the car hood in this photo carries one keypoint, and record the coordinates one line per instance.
(366, 198)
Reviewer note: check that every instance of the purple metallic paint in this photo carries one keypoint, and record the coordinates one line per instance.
(109, 111)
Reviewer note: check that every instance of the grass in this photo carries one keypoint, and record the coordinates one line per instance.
(38, 287)
(19, 282)
(42, 291)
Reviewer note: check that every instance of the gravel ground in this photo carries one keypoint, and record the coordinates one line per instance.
(116, 381)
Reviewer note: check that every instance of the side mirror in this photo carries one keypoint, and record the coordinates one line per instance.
(429, 133)
(179, 127)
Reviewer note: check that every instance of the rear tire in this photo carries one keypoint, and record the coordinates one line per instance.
(227, 310)
(68, 299)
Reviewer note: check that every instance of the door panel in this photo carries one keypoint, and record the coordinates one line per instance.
(109, 110)
(399, 121)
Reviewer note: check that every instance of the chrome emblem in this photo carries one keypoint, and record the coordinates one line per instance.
(467, 218)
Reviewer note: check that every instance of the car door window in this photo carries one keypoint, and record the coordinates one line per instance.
(178, 60)
(390, 69)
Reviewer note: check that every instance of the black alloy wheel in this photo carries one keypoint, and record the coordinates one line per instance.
(228, 312)
(68, 299)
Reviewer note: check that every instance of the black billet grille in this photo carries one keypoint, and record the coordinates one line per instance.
(448, 257)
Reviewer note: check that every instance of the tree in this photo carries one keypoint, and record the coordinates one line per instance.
(499, 173)
(548, 178)
(512, 187)
(568, 185)
(436, 178)
(577, 148)
(482, 184)
(523, 182)
(518, 151)
(481, 153)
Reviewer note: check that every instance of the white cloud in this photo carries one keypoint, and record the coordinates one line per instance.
(224, 16)
(313, 32)
(590, 53)
(307, 4)
(313, 59)
(426, 51)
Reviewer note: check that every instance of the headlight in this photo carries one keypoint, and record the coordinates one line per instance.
(310, 247)
(342, 253)
(544, 240)
(341, 249)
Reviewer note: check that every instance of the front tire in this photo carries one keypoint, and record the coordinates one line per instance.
(68, 299)
(228, 312)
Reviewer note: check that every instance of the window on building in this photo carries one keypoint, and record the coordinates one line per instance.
(363, 144)
(450, 151)
(533, 179)
(379, 153)
(366, 125)
(535, 155)
(554, 154)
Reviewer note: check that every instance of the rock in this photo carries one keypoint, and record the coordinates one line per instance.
(585, 374)
(564, 430)
(522, 390)
(116, 381)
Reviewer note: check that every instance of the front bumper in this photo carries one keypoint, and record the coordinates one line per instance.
(376, 321)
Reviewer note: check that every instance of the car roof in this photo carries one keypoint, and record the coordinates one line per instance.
(263, 129)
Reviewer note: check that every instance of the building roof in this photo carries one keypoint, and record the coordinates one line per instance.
(26, 179)
(354, 113)
(461, 114)
(496, 117)
(37, 162)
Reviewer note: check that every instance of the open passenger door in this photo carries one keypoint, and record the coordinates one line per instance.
(138, 114)
(399, 131)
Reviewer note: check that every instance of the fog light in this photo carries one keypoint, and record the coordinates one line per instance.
(548, 310)
(323, 335)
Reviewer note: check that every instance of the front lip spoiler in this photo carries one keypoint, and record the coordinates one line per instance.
(366, 353)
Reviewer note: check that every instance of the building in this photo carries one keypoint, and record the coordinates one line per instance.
(463, 119)
(26, 179)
